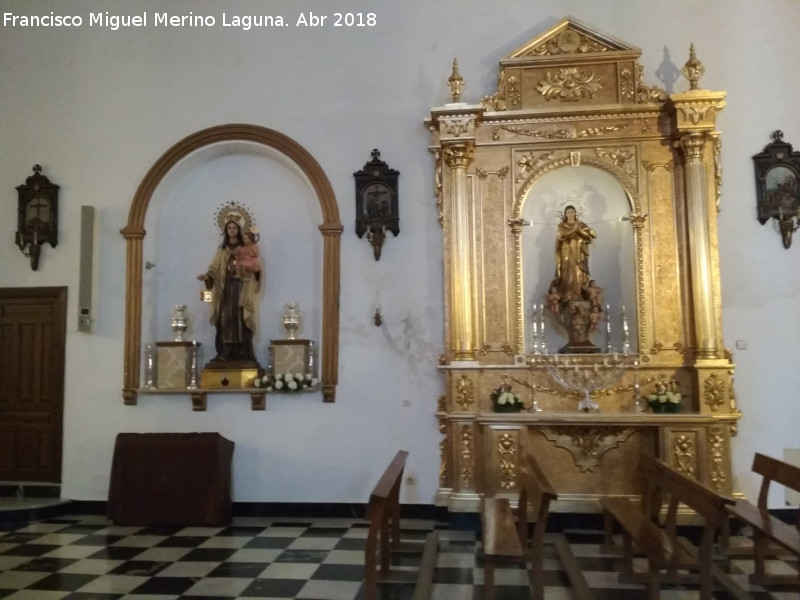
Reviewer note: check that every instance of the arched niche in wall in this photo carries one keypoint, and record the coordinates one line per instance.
(603, 203)
(330, 229)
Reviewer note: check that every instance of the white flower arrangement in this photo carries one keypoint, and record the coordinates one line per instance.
(666, 397)
(503, 399)
(286, 383)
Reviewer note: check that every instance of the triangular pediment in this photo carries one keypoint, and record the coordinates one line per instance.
(571, 64)
(570, 36)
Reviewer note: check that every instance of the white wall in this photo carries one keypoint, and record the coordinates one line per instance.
(97, 108)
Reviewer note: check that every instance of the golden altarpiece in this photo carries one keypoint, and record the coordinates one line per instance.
(576, 98)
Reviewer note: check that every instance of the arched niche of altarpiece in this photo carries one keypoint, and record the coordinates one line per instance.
(573, 101)
(330, 229)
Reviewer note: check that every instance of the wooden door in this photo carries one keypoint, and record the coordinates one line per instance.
(32, 343)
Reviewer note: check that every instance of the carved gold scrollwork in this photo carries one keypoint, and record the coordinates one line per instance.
(506, 348)
(507, 96)
(496, 101)
(696, 113)
(465, 391)
(513, 91)
(516, 225)
(658, 347)
(692, 145)
(587, 444)
(466, 455)
(717, 142)
(598, 131)
(628, 180)
(501, 174)
(437, 185)
(569, 85)
(528, 162)
(560, 133)
(646, 94)
(650, 166)
(568, 41)
(714, 391)
(507, 467)
(733, 404)
(458, 156)
(620, 157)
(456, 126)
(541, 389)
(717, 447)
(637, 220)
(627, 83)
(443, 464)
(684, 449)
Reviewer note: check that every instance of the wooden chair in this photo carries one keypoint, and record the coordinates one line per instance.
(767, 529)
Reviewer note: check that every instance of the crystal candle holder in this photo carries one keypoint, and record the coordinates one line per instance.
(585, 374)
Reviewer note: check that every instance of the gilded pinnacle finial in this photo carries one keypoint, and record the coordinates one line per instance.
(456, 83)
(693, 69)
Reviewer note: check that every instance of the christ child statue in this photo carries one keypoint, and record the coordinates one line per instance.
(594, 318)
(553, 298)
(247, 256)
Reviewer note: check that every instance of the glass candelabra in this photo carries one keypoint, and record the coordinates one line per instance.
(587, 374)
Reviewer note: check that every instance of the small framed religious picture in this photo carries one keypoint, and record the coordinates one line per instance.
(376, 202)
(778, 186)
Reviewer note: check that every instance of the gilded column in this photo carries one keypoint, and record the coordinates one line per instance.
(456, 129)
(706, 335)
(462, 285)
(695, 115)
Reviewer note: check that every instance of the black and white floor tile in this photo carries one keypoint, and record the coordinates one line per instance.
(88, 558)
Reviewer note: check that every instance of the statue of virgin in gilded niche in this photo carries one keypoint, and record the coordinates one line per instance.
(574, 296)
(572, 257)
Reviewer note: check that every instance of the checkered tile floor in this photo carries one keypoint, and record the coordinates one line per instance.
(87, 557)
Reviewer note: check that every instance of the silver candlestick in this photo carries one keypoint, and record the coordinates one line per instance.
(608, 329)
(638, 405)
(150, 367)
(626, 340)
(534, 407)
(535, 323)
(542, 341)
(193, 366)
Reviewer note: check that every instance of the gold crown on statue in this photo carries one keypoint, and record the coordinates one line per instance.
(236, 213)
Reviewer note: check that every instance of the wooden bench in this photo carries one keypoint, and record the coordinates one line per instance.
(664, 550)
(383, 537)
(506, 538)
(767, 529)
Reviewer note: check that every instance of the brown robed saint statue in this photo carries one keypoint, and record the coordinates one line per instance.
(234, 280)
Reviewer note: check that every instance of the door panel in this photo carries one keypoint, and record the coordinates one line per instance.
(32, 343)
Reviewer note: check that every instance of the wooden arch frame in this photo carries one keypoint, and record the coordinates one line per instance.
(331, 229)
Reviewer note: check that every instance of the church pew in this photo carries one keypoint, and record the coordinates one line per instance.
(664, 550)
(767, 529)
